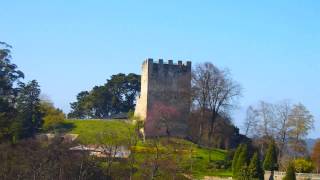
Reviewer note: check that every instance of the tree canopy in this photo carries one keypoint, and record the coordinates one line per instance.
(118, 95)
(20, 116)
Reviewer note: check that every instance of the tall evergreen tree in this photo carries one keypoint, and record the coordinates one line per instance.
(28, 107)
(9, 77)
(235, 158)
(242, 160)
(270, 161)
(255, 168)
(290, 173)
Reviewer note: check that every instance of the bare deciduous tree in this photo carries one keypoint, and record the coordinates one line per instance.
(283, 111)
(251, 121)
(287, 125)
(214, 90)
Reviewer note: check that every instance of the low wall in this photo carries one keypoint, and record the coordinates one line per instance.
(300, 176)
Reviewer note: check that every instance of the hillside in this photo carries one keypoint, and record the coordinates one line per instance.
(218, 166)
(89, 129)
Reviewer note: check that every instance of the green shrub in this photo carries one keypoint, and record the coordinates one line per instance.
(52, 117)
(303, 166)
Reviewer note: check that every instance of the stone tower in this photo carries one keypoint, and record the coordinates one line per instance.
(169, 85)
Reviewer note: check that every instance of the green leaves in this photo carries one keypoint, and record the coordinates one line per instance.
(116, 96)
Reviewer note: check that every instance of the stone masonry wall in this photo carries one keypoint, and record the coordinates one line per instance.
(169, 85)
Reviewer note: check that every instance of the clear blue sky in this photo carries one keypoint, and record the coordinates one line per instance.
(272, 47)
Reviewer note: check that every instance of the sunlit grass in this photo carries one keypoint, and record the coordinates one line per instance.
(88, 130)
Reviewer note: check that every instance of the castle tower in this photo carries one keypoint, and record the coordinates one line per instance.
(165, 86)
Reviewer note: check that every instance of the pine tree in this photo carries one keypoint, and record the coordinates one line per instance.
(242, 160)
(290, 174)
(255, 169)
(235, 158)
(270, 161)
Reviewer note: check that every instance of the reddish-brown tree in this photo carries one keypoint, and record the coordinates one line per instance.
(161, 119)
(315, 156)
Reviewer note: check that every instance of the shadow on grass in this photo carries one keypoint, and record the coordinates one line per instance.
(65, 127)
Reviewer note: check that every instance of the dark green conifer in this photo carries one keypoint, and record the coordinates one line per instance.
(290, 174)
(235, 158)
(270, 161)
(242, 160)
(255, 169)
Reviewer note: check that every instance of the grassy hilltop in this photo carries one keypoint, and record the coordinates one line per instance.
(88, 130)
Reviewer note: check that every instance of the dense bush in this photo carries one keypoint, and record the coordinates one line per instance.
(52, 117)
(303, 166)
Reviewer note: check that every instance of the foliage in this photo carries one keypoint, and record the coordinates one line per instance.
(117, 95)
(244, 173)
(235, 158)
(52, 117)
(255, 169)
(28, 109)
(315, 155)
(290, 173)
(270, 161)
(20, 116)
(241, 161)
(9, 77)
(303, 166)
(300, 122)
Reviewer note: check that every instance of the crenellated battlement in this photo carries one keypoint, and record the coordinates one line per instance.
(163, 67)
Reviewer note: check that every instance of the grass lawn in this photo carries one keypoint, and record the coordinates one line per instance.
(88, 129)
(201, 166)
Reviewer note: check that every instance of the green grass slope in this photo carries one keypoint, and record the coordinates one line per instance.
(89, 129)
(201, 166)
